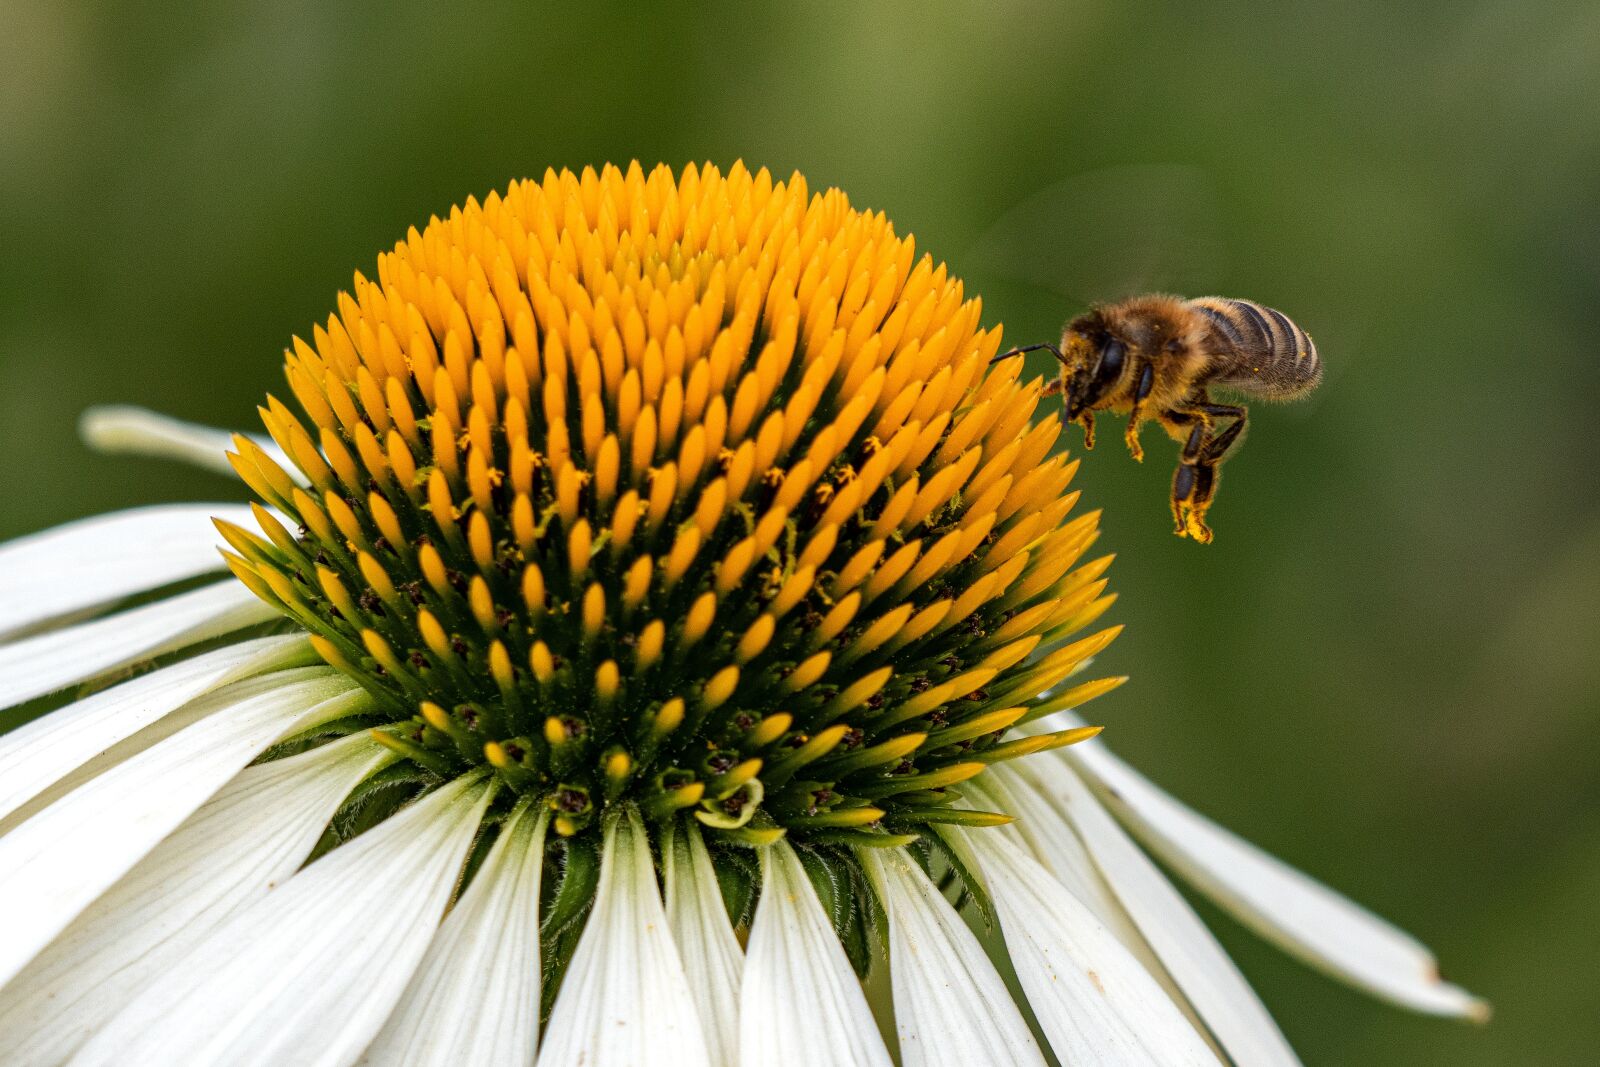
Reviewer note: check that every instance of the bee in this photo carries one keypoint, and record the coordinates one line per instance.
(1159, 357)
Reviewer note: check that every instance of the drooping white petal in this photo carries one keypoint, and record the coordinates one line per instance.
(307, 974)
(475, 997)
(951, 1008)
(1280, 903)
(1094, 1001)
(55, 864)
(1201, 968)
(625, 999)
(706, 942)
(1043, 834)
(47, 662)
(122, 428)
(252, 835)
(96, 561)
(801, 1002)
(41, 753)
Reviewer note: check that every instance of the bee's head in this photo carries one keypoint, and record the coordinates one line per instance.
(1093, 359)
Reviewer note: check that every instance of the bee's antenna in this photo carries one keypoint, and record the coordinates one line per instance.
(1052, 349)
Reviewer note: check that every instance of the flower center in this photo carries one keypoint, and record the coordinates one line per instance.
(693, 492)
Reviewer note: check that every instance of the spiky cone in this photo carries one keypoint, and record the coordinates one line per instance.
(657, 612)
(697, 495)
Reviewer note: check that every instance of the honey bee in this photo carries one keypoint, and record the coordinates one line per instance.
(1159, 357)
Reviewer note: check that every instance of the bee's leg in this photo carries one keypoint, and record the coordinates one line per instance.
(1195, 484)
(1237, 412)
(1085, 418)
(1218, 447)
(1197, 407)
(1145, 378)
(1187, 476)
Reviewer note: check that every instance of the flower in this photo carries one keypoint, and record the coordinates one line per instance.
(661, 615)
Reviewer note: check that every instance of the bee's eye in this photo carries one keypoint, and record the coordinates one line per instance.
(1111, 357)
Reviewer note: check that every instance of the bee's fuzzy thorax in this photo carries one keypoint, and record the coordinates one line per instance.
(1157, 327)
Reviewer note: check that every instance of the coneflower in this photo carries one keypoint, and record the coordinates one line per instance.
(658, 616)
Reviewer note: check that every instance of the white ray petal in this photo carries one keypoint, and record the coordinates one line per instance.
(122, 428)
(950, 1006)
(475, 997)
(1280, 903)
(56, 864)
(801, 1002)
(1093, 999)
(1043, 834)
(1201, 968)
(252, 835)
(711, 956)
(307, 974)
(96, 561)
(53, 660)
(41, 753)
(625, 999)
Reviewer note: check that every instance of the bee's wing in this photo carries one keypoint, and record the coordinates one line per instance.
(1108, 234)
(1264, 380)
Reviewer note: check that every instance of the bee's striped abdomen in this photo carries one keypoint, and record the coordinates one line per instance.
(1273, 357)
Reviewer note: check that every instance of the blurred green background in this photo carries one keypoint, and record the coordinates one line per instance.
(1384, 670)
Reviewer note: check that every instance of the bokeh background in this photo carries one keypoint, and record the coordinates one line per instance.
(1385, 670)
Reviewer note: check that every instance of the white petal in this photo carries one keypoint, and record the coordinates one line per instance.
(802, 1004)
(1188, 951)
(43, 752)
(96, 561)
(252, 835)
(307, 974)
(56, 864)
(475, 998)
(1044, 835)
(625, 999)
(138, 431)
(1277, 901)
(56, 659)
(711, 956)
(950, 1006)
(1094, 1001)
